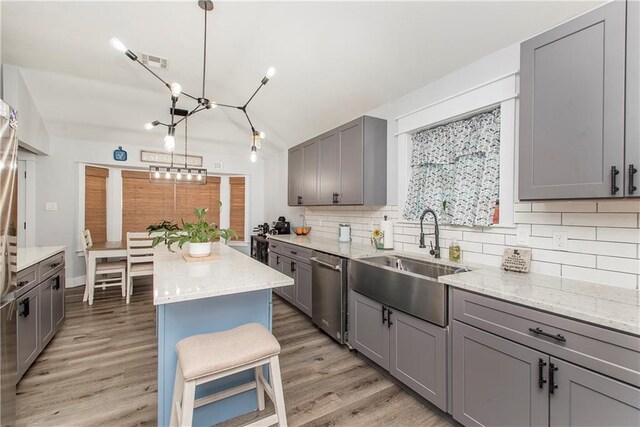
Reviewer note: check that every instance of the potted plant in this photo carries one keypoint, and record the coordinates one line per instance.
(199, 235)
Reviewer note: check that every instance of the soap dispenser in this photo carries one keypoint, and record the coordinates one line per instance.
(454, 251)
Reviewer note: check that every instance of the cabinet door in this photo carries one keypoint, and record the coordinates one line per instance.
(368, 329)
(495, 381)
(303, 286)
(329, 168)
(417, 356)
(275, 261)
(28, 329)
(58, 300)
(352, 164)
(295, 176)
(572, 94)
(632, 137)
(310, 173)
(46, 311)
(288, 268)
(584, 398)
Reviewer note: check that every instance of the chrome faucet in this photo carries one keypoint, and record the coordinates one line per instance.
(434, 251)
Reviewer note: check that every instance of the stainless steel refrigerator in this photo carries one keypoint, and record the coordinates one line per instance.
(8, 263)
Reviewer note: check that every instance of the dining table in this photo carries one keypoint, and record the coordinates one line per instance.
(108, 249)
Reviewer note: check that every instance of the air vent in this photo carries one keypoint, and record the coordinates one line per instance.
(153, 61)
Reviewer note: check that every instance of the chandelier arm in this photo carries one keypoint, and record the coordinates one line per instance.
(163, 81)
(253, 130)
(204, 62)
(190, 113)
(229, 106)
(186, 152)
(252, 96)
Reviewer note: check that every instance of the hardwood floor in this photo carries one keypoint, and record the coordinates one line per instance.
(100, 369)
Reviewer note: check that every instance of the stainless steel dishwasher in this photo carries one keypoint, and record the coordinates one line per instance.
(329, 294)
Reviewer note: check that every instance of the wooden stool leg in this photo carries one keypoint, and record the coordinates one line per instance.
(276, 384)
(259, 387)
(176, 401)
(188, 401)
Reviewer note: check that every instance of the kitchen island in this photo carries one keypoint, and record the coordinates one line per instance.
(208, 296)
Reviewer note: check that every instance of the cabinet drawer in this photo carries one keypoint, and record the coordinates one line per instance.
(50, 265)
(26, 279)
(296, 251)
(275, 246)
(612, 353)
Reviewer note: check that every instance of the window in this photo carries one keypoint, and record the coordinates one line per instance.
(145, 203)
(455, 170)
(237, 190)
(95, 202)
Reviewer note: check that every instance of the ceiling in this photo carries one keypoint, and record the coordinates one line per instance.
(335, 60)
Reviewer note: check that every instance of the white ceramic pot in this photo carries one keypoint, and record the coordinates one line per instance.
(198, 250)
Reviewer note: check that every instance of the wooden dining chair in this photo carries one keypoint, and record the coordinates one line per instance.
(139, 258)
(116, 268)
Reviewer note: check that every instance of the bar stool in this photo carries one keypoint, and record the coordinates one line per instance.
(208, 357)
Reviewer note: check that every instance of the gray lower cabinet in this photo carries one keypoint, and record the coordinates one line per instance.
(584, 398)
(57, 299)
(572, 108)
(46, 311)
(276, 264)
(345, 166)
(632, 137)
(302, 277)
(495, 381)
(412, 350)
(368, 331)
(288, 292)
(28, 329)
(418, 356)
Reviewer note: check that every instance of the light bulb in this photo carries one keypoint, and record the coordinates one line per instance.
(271, 72)
(148, 126)
(168, 174)
(254, 155)
(199, 176)
(169, 143)
(157, 174)
(178, 175)
(213, 104)
(189, 176)
(118, 45)
(262, 135)
(176, 89)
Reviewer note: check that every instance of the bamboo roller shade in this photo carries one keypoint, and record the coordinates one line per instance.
(95, 202)
(145, 203)
(237, 193)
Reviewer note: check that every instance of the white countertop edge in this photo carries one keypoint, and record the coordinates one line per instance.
(30, 256)
(161, 300)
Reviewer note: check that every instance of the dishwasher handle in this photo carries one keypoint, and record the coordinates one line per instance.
(325, 264)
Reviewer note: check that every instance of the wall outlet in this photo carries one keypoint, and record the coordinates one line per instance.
(522, 236)
(559, 241)
(51, 206)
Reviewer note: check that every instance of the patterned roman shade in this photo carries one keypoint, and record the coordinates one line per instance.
(455, 170)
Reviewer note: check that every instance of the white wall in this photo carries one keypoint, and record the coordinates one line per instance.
(603, 237)
(58, 175)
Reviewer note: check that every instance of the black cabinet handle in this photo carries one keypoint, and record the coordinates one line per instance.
(293, 266)
(277, 259)
(541, 365)
(335, 198)
(631, 172)
(552, 378)
(384, 314)
(25, 308)
(294, 252)
(614, 173)
(299, 200)
(389, 321)
(54, 264)
(56, 286)
(22, 283)
(538, 331)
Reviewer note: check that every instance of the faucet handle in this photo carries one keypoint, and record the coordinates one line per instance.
(432, 251)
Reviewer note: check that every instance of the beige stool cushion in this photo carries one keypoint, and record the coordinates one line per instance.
(206, 354)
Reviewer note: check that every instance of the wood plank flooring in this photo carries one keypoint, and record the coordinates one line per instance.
(100, 369)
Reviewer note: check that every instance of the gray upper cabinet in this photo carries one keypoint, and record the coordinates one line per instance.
(417, 356)
(572, 108)
(496, 381)
(295, 176)
(632, 138)
(584, 398)
(345, 166)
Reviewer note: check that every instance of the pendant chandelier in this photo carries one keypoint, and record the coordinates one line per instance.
(180, 115)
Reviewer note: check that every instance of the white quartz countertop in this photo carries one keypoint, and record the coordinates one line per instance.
(175, 280)
(33, 255)
(608, 306)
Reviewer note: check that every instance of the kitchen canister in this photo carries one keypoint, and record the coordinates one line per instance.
(386, 227)
(344, 233)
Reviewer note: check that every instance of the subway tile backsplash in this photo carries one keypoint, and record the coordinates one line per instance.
(603, 237)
